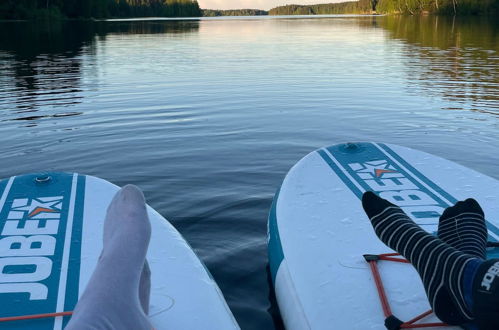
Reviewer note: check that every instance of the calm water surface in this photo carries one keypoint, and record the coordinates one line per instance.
(208, 116)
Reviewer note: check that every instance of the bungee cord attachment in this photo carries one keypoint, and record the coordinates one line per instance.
(392, 322)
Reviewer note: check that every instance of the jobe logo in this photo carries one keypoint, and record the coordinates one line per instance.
(392, 184)
(26, 244)
(490, 276)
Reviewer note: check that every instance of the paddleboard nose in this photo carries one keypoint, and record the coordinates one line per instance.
(351, 147)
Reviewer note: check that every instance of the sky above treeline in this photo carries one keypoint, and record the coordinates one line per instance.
(256, 4)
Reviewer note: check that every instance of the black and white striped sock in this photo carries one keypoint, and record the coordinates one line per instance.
(439, 265)
(463, 227)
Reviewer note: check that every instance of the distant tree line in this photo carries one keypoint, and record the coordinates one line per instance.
(350, 7)
(411, 7)
(438, 6)
(30, 9)
(234, 12)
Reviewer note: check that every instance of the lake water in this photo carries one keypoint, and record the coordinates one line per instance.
(207, 116)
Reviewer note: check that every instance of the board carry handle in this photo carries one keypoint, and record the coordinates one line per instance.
(391, 321)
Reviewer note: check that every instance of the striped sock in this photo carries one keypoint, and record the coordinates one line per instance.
(439, 265)
(462, 226)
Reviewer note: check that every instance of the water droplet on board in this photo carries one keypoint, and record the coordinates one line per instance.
(346, 221)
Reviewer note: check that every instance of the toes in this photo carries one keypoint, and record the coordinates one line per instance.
(373, 204)
(128, 201)
(469, 205)
(473, 206)
(131, 193)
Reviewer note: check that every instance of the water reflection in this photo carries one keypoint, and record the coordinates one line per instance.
(147, 27)
(57, 115)
(42, 63)
(455, 58)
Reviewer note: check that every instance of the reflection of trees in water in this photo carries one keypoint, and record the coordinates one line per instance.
(41, 63)
(457, 58)
(148, 27)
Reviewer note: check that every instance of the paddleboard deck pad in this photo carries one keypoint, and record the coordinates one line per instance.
(50, 241)
(318, 231)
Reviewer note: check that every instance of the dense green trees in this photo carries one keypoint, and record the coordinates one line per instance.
(350, 7)
(411, 7)
(27, 9)
(234, 12)
(438, 6)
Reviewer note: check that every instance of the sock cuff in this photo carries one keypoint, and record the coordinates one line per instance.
(486, 279)
(470, 271)
(486, 295)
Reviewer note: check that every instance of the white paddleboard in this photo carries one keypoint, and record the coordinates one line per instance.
(59, 218)
(318, 231)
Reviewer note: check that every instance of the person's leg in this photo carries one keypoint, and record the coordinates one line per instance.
(463, 227)
(111, 299)
(439, 265)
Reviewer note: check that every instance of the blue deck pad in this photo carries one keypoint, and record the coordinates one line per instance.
(40, 234)
(376, 167)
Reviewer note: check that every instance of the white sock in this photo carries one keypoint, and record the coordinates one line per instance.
(111, 299)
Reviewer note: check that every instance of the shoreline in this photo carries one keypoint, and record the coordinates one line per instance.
(247, 17)
(138, 19)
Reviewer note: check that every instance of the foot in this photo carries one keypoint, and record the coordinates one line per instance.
(112, 298)
(145, 287)
(439, 265)
(462, 226)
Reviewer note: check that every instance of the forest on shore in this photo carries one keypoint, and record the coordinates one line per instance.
(406, 7)
(411, 7)
(56, 9)
(349, 7)
(99, 9)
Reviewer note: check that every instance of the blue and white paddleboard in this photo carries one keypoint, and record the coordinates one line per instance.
(50, 240)
(318, 231)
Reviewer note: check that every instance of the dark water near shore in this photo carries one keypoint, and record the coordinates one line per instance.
(207, 116)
